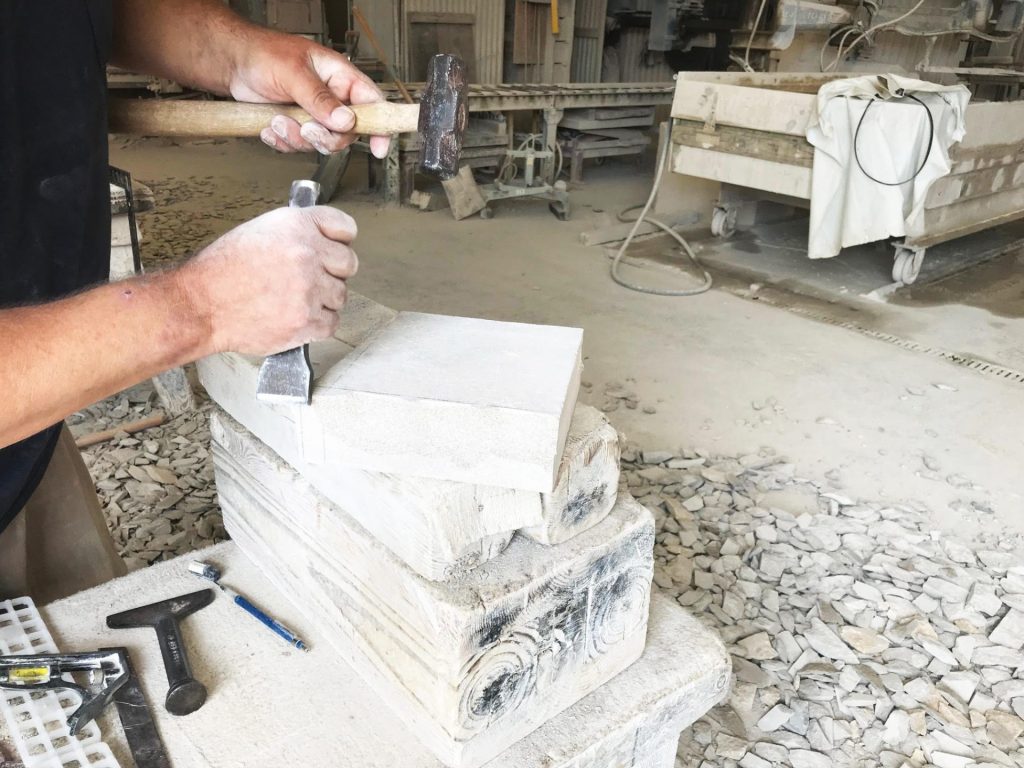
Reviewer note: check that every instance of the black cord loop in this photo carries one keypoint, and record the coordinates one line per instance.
(927, 154)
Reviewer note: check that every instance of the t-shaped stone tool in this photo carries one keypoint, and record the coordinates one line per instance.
(440, 117)
(186, 694)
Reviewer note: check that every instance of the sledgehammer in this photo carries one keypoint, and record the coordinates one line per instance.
(440, 117)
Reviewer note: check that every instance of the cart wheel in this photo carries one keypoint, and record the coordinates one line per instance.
(723, 221)
(907, 264)
(561, 210)
(487, 212)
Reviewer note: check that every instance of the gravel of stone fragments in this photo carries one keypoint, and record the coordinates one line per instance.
(859, 636)
(190, 212)
(156, 486)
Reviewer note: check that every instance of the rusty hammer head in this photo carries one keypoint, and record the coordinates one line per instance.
(443, 116)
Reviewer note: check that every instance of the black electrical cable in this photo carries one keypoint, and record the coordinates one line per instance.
(927, 154)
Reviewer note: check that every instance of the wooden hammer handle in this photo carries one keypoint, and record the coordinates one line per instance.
(235, 119)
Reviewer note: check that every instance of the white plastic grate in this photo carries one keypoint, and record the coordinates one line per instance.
(37, 721)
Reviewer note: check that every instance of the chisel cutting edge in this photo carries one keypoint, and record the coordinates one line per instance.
(287, 377)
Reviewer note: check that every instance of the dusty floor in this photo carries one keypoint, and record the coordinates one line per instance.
(725, 371)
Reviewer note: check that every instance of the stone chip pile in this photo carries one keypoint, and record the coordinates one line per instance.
(190, 212)
(156, 486)
(859, 636)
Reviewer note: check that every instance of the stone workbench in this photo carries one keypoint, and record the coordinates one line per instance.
(270, 705)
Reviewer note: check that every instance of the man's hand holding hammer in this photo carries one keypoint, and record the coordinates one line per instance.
(270, 284)
(202, 43)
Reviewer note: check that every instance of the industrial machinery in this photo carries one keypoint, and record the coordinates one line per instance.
(703, 35)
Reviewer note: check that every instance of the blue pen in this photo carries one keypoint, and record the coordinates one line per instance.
(211, 573)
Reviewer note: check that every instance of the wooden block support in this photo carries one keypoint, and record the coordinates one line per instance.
(471, 665)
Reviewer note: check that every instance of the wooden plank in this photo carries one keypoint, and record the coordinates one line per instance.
(779, 148)
(784, 179)
(472, 665)
(578, 123)
(528, 33)
(721, 104)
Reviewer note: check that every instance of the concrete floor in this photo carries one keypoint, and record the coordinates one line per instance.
(721, 372)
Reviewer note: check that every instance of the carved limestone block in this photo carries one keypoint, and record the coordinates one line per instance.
(473, 664)
(438, 527)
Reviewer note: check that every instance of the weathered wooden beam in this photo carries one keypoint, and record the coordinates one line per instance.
(747, 142)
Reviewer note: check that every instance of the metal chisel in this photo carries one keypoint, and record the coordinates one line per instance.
(287, 377)
(139, 729)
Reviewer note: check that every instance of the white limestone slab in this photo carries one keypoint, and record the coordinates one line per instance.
(456, 398)
(438, 527)
(449, 398)
(271, 706)
(471, 665)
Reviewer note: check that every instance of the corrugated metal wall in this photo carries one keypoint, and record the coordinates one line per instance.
(635, 64)
(488, 34)
(381, 18)
(588, 41)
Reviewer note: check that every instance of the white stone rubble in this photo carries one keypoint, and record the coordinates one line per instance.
(898, 647)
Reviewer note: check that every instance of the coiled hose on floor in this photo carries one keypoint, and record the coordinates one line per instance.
(644, 216)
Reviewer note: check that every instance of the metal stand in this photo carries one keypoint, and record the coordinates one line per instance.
(556, 194)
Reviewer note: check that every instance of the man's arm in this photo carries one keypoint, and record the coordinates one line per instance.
(271, 284)
(204, 44)
(57, 358)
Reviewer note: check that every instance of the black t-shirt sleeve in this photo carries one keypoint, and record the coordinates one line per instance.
(54, 193)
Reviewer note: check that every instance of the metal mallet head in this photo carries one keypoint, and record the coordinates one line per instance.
(444, 113)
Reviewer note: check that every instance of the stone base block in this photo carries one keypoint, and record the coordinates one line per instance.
(437, 527)
(471, 665)
(270, 706)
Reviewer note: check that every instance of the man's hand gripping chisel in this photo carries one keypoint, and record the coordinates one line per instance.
(287, 377)
(440, 118)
